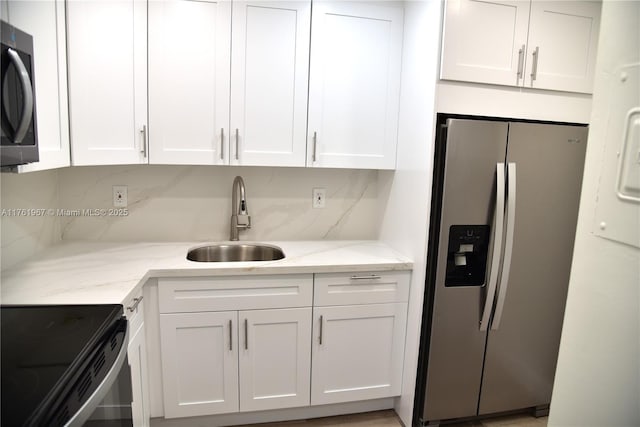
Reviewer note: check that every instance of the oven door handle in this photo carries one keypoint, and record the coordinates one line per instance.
(27, 96)
(83, 414)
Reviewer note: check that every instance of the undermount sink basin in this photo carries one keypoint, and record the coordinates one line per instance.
(230, 252)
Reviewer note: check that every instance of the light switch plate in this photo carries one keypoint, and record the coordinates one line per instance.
(120, 196)
(319, 198)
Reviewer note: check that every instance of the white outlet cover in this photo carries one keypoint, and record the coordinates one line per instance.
(120, 196)
(319, 198)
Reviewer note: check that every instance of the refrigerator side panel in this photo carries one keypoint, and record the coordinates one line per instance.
(522, 353)
(456, 349)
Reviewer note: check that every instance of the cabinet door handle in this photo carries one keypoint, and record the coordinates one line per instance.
(237, 144)
(246, 334)
(534, 67)
(520, 62)
(230, 335)
(321, 322)
(143, 132)
(315, 144)
(369, 277)
(134, 306)
(221, 143)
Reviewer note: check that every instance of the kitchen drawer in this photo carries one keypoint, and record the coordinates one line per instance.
(369, 287)
(234, 293)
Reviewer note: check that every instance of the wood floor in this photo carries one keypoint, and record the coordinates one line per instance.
(390, 419)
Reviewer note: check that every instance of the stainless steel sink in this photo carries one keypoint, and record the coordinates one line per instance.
(235, 252)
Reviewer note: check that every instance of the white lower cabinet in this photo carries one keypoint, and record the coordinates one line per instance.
(255, 343)
(275, 358)
(137, 353)
(357, 352)
(199, 363)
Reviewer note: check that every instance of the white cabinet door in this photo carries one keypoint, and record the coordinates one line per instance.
(563, 39)
(45, 22)
(199, 363)
(357, 352)
(137, 354)
(269, 69)
(275, 358)
(189, 57)
(354, 84)
(485, 41)
(107, 53)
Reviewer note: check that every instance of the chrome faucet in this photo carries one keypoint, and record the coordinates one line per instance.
(240, 219)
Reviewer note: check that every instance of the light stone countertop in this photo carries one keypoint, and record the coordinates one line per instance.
(112, 273)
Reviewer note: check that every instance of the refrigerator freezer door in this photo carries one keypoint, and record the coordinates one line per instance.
(454, 370)
(521, 354)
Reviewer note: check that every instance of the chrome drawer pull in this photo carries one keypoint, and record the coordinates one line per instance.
(369, 277)
(134, 307)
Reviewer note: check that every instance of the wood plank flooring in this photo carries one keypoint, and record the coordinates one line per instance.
(390, 419)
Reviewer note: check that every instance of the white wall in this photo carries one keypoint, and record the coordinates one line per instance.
(598, 374)
(193, 203)
(406, 215)
(23, 233)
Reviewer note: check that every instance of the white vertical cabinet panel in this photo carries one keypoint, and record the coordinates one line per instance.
(107, 54)
(361, 353)
(45, 21)
(199, 363)
(354, 84)
(482, 41)
(269, 71)
(566, 36)
(275, 358)
(137, 354)
(189, 57)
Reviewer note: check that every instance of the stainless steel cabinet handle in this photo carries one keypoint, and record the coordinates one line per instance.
(237, 146)
(246, 334)
(315, 144)
(520, 62)
(321, 322)
(498, 226)
(27, 97)
(230, 335)
(221, 143)
(143, 132)
(369, 277)
(134, 306)
(508, 245)
(534, 67)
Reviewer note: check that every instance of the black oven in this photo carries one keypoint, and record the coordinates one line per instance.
(59, 363)
(19, 141)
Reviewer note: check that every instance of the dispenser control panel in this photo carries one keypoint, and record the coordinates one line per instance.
(467, 255)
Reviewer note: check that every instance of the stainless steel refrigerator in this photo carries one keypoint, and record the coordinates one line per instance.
(504, 212)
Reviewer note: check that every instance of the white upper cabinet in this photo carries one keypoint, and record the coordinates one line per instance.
(269, 82)
(223, 96)
(107, 42)
(354, 85)
(189, 54)
(544, 45)
(484, 41)
(45, 22)
(563, 36)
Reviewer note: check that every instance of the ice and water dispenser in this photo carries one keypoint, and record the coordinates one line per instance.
(467, 255)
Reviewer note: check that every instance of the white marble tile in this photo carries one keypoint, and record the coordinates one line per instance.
(177, 203)
(25, 233)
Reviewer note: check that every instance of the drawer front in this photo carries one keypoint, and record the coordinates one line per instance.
(234, 293)
(370, 287)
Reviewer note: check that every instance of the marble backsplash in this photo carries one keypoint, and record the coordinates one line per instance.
(178, 203)
(27, 225)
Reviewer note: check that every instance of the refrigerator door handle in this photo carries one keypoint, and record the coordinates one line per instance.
(498, 227)
(508, 247)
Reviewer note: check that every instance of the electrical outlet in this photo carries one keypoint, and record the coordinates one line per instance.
(119, 196)
(319, 196)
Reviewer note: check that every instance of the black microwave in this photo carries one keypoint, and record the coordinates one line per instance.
(19, 142)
